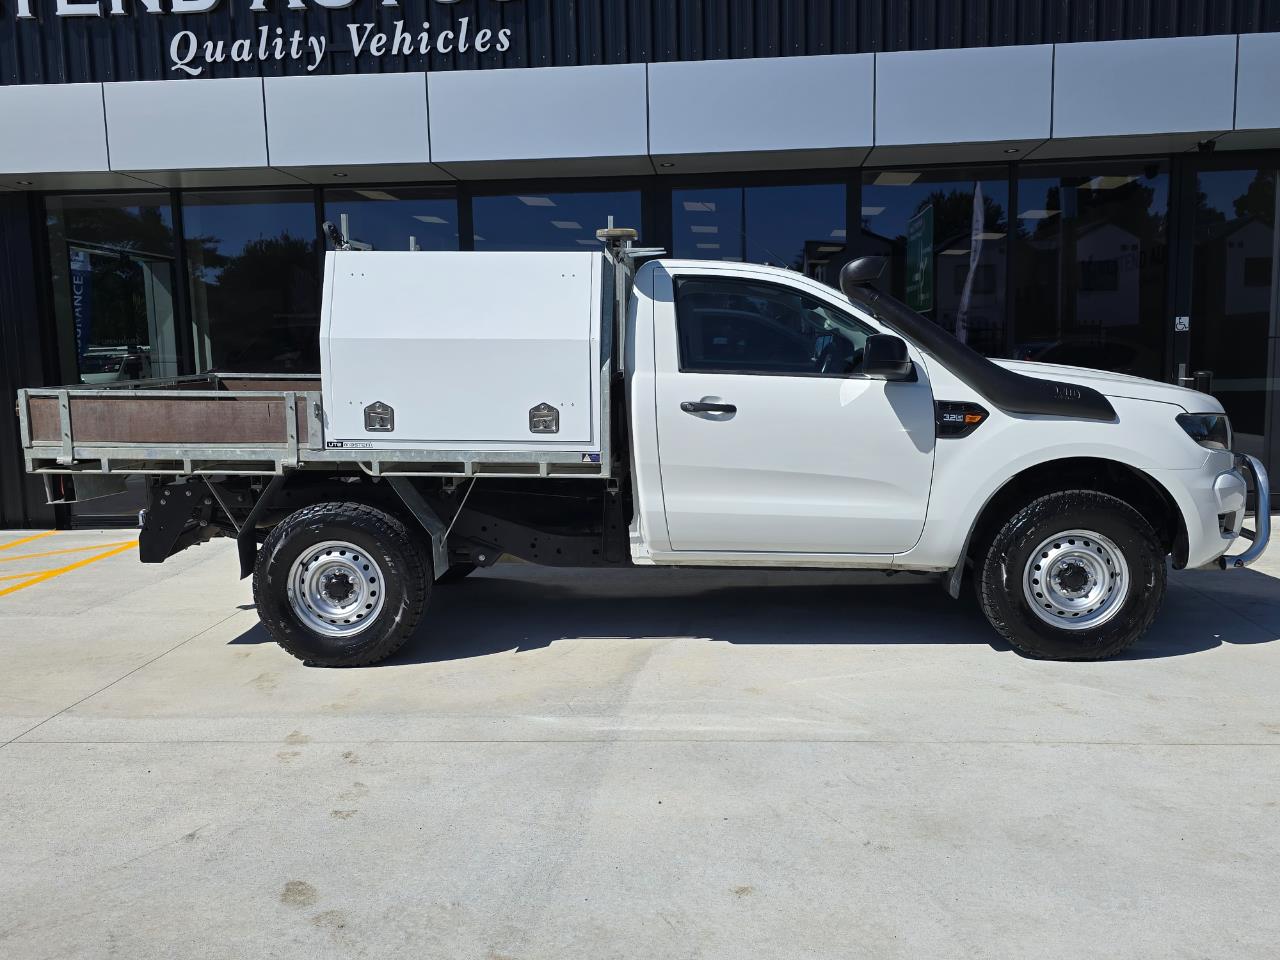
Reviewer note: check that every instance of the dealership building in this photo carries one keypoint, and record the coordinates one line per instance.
(1084, 183)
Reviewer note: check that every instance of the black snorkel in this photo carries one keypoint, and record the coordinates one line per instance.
(1011, 392)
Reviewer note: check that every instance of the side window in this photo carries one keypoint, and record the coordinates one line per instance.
(744, 326)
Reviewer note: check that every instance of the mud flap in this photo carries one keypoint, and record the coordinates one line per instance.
(177, 518)
(247, 535)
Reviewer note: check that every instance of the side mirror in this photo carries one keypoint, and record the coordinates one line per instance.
(884, 357)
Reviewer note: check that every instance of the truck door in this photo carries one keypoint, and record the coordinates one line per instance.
(769, 439)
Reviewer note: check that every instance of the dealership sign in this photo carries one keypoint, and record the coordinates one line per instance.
(193, 55)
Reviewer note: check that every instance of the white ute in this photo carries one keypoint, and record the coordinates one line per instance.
(608, 408)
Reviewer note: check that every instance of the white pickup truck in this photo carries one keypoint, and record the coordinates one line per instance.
(610, 408)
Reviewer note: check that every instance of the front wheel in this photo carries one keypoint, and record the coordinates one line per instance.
(341, 584)
(1075, 575)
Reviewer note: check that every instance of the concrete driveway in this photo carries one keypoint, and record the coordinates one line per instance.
(627, 764)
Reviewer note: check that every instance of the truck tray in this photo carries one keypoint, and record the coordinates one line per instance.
(233, 423)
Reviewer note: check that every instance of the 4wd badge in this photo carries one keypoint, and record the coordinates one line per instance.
(544, 418)
(379, 417)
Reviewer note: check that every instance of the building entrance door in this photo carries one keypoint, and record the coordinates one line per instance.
(113, 271)
(121, 303)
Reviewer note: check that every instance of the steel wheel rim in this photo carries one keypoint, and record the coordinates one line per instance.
(336, 588)
(1076, 580)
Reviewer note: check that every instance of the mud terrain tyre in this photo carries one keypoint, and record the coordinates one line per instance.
(1074, 575)
(341, 584)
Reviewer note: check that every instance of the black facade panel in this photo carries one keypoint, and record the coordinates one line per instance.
(136, 45)
(21, 351)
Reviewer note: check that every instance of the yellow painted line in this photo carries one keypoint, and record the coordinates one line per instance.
(50, 574)
(21, 576)
(18, 543)
(54, 553)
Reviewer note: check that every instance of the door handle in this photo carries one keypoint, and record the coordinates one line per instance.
(702, 406)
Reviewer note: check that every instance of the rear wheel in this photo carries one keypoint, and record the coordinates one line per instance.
(341, 584)
(1075, 575)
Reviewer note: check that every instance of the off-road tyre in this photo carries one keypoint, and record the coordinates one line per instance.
(405, 582)
(1001, 570)
(457, 573)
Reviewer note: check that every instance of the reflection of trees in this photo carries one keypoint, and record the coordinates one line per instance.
(261, 304)
(134, 228)
(953, 213)
(1049, 284)
(952, 205)
(1207, 215)
(1130, 207)
(1231, 311)
(1259, 199)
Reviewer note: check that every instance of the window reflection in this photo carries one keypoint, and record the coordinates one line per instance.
(373, 218)
(740, 326)
(945, 233)
(537, 220)
(1231, 291)
(255, 280)
(800, 227)
(112, 260)
(708, 224)
(1091, 254)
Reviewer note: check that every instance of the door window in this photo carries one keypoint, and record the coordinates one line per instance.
(742, 326)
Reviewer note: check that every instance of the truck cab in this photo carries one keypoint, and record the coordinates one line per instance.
(758, 428)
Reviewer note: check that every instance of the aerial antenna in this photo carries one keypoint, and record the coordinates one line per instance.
(334, 236)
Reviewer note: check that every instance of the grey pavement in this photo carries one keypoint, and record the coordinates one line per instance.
(638, 764)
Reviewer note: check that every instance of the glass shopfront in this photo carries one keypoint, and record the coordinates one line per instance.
(112, 264)
(1063, 263)
(395, 218)
(1232, 319)
(800, 227)
(114, 279)
(946, 234)
(254, 274)
(1090, 249)
(540, 220)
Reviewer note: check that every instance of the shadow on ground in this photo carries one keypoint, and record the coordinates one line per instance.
(519, 607)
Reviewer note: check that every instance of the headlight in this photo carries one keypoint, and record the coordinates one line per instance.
(1212, 430)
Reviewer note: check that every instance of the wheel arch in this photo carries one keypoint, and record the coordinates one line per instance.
(289, 492)
(1121, 480)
